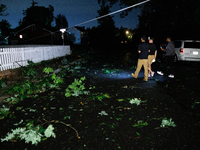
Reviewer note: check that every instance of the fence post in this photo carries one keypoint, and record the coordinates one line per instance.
(23, 56)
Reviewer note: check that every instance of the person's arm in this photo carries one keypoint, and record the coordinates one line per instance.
(155, 55)
(139, 48)
(163, 48)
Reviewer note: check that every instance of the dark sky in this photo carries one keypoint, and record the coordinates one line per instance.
(76, 11)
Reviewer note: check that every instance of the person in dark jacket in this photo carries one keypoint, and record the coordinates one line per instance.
(168, 58)
(143, 50)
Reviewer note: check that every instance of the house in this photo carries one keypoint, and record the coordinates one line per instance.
(77, 35)
(33, 34)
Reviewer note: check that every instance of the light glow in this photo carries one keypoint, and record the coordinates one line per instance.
(62, 30)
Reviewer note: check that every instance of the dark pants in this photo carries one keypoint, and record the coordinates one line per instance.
(168, 61)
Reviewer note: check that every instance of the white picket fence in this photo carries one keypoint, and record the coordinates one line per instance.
(12, 57)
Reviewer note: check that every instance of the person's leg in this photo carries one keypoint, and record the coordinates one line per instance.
(149, 71)
(145, 62)
(150, 60)
(171, 65)
(139, 66)
(149, 65)
(165, 63)
(163, 67)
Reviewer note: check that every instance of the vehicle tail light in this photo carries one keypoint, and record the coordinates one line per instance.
(182, 50)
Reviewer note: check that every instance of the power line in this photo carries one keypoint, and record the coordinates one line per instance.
(120, 10)
(113, 12)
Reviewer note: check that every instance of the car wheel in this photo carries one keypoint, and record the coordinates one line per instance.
(175, 59)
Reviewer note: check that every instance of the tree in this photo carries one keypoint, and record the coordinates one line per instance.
(5, 28)
(122, 3)
(160, 18)
(2, 9)
(34, 3)
(106, 28)
(20, 22)
(61, 21)
(121, 35)
(197, 16)
(38, 15)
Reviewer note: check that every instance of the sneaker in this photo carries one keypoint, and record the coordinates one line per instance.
(171, 76)
(152, 74)
(160, 73)
(149, 76)
(134, 75)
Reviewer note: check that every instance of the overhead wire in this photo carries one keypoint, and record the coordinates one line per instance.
(91, 20)
(109, 14)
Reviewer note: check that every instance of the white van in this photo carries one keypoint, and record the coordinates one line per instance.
(187, 50)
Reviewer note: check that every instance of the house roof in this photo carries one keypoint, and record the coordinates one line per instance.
(82, 29)
(31, 26)
(47, 30)
(24, 28)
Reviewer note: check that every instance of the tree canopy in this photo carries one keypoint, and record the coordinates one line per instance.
(38, 15)
(106, 24)
(122, 3)
(2, 9)
(161, 18)
(61, 21)
(170, 18)
(5, 28)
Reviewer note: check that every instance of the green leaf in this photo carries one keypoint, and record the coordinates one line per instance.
(138, 133)
(43, 139)
(47, 70)
(120, 100)
(49, 131)
(102, 123)
(118, 119)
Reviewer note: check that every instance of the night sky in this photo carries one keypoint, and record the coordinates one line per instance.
(76, 11)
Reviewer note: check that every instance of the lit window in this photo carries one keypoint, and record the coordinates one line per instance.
(21, 36)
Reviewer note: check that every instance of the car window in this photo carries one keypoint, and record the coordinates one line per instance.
(192, 45)
(177, 44)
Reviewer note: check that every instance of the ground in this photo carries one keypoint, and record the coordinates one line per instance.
(84, 127)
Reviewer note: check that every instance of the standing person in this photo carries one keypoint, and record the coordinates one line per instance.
(168, 58)
(143, 50)
(152, 56)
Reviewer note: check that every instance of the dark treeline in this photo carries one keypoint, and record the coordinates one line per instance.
(40, 15)
(179, 19)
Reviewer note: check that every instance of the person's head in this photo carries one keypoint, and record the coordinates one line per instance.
(151, 40)
(143, 38)
(168, 39)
